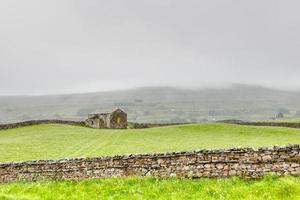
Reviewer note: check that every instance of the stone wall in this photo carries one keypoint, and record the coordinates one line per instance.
(245, 162)
(36, 122)
(145, 125)
(280, 124)
(136, 125)
(80, 123)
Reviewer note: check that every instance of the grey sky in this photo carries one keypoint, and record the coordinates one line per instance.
(57, 46)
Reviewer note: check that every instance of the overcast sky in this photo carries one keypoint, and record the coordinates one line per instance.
(63, 46)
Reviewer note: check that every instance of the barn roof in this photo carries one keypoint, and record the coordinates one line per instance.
(105, 111)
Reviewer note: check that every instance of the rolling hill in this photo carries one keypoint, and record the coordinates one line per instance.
(158, 104)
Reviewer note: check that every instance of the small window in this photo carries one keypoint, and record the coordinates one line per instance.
(92, 122)
(119, 120)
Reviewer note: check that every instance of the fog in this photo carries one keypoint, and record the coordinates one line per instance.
(67, 46)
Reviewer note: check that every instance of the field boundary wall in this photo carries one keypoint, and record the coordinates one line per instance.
(243, 162)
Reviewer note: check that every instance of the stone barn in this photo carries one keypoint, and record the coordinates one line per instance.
(116, 119)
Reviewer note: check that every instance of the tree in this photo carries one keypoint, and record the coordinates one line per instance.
(283, 111)
(280, 115)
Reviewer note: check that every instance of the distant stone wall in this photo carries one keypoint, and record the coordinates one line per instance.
(244, 162)
(80, 123)
(136, 125)
(36, 122)
(280, 124)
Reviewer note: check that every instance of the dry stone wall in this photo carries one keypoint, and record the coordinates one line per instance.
(36, 122)
(245, 162)
(80, 123)
(136, 125)
(144, 125)
(280, 124)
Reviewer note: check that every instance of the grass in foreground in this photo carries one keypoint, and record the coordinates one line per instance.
(60, 141)
(150, 188)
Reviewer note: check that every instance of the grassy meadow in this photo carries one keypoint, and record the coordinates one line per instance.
(53, 141)
(268, 188)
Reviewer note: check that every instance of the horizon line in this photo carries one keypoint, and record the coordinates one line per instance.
(227, 86)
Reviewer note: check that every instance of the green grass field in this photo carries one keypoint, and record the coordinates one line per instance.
(53, 141)
(268, 188)
(60, 141)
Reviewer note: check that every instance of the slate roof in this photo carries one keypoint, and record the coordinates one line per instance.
(103, 112)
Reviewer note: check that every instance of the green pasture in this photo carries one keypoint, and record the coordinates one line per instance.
(53, 141)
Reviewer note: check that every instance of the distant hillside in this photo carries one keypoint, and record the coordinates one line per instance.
(158, 104)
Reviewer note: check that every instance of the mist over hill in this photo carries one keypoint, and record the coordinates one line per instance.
(158, 104)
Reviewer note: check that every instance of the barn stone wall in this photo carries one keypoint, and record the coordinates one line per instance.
(118, 119)
(245, 162)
